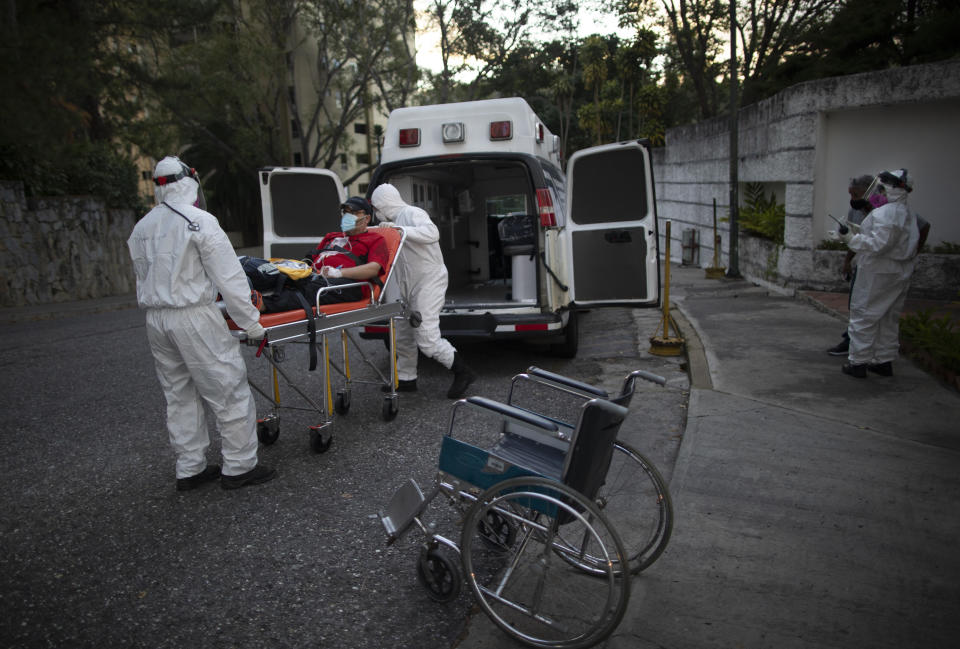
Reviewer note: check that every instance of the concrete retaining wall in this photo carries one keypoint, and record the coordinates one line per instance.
(804, 144)
(61, 249)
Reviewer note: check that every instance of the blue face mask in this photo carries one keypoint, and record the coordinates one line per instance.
(348, 222)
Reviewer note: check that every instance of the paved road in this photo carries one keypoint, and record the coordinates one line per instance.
(97, 549)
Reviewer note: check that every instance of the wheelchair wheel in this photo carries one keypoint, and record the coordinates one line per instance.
(635, 500)
(529, 589)
(439, 573)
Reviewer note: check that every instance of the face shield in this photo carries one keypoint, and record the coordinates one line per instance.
(171, 169)
(886, 187)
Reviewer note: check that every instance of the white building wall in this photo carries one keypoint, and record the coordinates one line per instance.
(806, 143)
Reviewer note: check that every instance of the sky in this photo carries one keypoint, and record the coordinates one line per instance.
(428, 43)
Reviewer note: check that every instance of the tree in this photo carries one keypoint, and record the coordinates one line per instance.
(365, 62)
(477, 38)
(62, 105)
(768, 31)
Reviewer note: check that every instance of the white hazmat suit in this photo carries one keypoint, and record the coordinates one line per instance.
(183, 259)
(885, 248)
(422, 280)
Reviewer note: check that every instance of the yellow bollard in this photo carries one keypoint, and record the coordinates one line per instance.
(666, 345)
(716, 271)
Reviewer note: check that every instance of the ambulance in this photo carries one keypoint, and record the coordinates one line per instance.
(527, 246)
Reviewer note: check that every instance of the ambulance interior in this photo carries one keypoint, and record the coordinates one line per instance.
(487, 216)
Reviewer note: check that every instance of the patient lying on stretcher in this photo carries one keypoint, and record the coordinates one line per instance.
(347, 257)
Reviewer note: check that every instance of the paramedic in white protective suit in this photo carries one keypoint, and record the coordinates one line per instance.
(182, 260)
(886, 249)
(422, 278)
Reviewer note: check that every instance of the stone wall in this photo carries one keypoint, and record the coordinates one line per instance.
(61, 249)
(788, 143)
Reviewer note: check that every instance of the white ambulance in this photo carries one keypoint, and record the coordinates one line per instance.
(526, 246)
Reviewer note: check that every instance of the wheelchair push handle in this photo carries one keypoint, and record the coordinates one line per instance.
(649, 376)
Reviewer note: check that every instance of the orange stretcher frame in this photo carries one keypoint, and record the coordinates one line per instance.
(294, 326)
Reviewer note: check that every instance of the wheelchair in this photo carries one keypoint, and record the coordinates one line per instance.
(544, 500)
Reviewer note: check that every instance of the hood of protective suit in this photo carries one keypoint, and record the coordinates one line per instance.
(183, 192)
(386, 200)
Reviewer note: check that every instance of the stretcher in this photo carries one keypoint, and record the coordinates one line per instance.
(328, 320)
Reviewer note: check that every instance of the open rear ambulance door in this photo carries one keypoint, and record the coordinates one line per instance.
(300, 205)
(612, 223)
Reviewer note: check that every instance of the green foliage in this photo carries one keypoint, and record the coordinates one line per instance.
(938, 336)
(831, 244)
(947, 248)
(762, 216)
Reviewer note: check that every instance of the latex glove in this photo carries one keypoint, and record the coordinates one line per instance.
(256, 331)
(330, 271)
(842, 236)
(854, 228)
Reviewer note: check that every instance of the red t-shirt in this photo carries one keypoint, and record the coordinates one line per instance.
(368, 246)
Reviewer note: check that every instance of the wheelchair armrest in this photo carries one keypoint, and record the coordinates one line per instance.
(580, 386)
(513, 413)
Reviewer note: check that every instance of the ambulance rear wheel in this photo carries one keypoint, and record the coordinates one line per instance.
(571, 338)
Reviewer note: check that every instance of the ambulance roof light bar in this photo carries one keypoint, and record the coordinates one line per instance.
(452, 132)
(502, 130)
(409, 137)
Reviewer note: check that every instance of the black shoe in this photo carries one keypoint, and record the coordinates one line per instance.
(463, 376)
(403, 386)
(257, 475)
(856, 371)
(209, 474)
(841, 349)
(883, 369)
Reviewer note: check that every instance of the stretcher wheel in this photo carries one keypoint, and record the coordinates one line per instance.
(268, 430)
(342, 405)
(439, 573)
(319, 442)
(529, 591)
(391, 406)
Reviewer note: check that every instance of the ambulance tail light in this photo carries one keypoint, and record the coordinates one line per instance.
(548, 216)
(409, 137)
(539, 132)
(501, 130)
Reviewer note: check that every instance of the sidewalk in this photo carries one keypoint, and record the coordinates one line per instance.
(812, 509)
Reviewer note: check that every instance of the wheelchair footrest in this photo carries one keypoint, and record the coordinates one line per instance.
(407, 503)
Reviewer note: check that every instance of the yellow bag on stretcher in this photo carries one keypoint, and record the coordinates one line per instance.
(292, 268)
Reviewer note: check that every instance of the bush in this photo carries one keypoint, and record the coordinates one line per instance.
(937, 336)
(77, 168)
(947, 248)
(761, 216)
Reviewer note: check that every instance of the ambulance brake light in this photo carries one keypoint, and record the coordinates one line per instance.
(548, 216)
(409, 137)
(539, 132)
(501, 130)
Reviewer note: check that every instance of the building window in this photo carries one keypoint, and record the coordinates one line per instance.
(294, 129)
(360, 128)
(297, 160)
(363, 158)
(343, 160)
(363, 187)
(292, 91)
